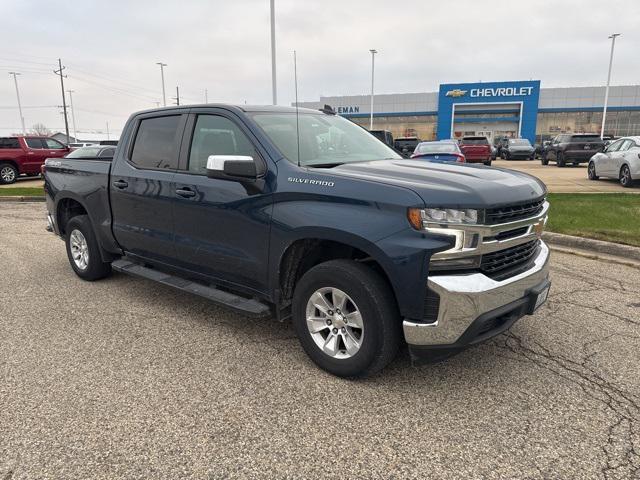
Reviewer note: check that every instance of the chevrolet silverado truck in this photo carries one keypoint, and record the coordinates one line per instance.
(303, 215)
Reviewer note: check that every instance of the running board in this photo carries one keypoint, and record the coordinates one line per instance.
(247, 306)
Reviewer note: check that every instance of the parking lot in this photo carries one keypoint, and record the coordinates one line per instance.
(124, 378)
(564, 180)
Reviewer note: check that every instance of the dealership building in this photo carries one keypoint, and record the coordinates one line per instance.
(513, 109)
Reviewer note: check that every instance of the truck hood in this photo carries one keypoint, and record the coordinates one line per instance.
(441, 184)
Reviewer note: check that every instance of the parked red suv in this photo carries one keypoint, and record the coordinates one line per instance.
(476, 149)
(25, 155)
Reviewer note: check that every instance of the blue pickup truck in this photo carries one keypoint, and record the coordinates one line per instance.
(303, 215)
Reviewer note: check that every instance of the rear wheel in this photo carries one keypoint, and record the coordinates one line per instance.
(625, 177)
(83, 250)
(346, 319)
(591, 171)
(488, 163)
(544, 160)
(8, 173)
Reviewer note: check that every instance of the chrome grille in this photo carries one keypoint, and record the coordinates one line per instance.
(510, 213)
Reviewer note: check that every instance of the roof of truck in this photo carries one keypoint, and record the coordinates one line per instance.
(244, 108)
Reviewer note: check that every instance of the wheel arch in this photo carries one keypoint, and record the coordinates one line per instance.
(315, 247)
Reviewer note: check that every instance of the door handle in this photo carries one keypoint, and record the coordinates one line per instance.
(185, 192)
(120, 184)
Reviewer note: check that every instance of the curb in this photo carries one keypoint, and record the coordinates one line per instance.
(625, 252)
(21, 199)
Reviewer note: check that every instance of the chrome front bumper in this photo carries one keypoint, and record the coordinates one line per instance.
(464, 298)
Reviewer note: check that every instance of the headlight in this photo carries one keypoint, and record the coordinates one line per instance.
(419, 218)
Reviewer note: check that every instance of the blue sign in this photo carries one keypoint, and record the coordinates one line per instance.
(524, 94)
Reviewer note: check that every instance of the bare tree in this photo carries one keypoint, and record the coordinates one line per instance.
(40, 129)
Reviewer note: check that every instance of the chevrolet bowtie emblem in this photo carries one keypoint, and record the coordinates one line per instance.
(456, 93)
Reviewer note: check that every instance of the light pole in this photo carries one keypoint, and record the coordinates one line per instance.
(373, 63)
(606, 90)
(274, 92)
(15, 80)
(73, 114)
(164, 95)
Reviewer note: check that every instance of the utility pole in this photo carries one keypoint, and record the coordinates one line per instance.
(73, 115)
(606, 90)
(273, 53)
(107, 130)
(164, 97)
(206, 96)
(15, 80)
(177, 97)
(373, 60)
(64, 100)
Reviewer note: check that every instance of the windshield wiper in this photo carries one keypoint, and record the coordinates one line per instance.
(325, 165)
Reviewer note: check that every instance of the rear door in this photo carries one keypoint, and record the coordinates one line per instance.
(143, 187)
(34, 156)
(619, 158)
(608, 160)
(221, 226)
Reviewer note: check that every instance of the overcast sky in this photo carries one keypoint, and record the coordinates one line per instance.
(111, 47)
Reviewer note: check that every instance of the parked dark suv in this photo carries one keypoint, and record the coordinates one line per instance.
(406, 145)
(572, 148)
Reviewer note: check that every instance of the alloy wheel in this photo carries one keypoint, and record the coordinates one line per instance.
(8, 174)
(335, 323)
(79, 249)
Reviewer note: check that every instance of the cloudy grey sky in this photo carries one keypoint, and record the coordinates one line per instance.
(110, 48)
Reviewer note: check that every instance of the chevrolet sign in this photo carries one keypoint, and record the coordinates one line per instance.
(456, 93)
(501, 92)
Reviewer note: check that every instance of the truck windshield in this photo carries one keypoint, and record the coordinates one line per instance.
(325, 140)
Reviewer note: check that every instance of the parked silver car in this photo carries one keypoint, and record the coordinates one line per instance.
(621, 160)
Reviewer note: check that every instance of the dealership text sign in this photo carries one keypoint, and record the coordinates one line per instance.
(501, 92)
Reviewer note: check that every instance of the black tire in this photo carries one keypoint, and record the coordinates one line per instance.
(591, 171)
(8, 173)
(375, 301)
(506, 156)
(560, 159)
(625, 177)
(544, 160)
(488, 163)
(95, 268)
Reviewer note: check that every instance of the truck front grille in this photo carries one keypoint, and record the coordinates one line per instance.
(511, 213)
(501, 264)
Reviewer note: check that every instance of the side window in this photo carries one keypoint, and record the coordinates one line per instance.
(156, 143)
(53, 144)
(626, 146)
(9, 143)
(216, 135)
(615, 146)
(34, 143)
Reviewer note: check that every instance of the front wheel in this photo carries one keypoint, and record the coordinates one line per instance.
(544, 160)
(560, 159)
(591, 171)
(625, 177)
(346, 318)
(488, 163)
(83, 250)
(8, 173)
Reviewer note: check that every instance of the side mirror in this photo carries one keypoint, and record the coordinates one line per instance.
(231, 167)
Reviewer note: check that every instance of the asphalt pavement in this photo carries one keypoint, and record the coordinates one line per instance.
(124, 378)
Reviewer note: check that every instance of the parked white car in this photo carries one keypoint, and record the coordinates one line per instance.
(621, 160)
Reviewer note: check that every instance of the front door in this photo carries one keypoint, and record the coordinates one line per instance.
(143, 188)
(221, 226)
